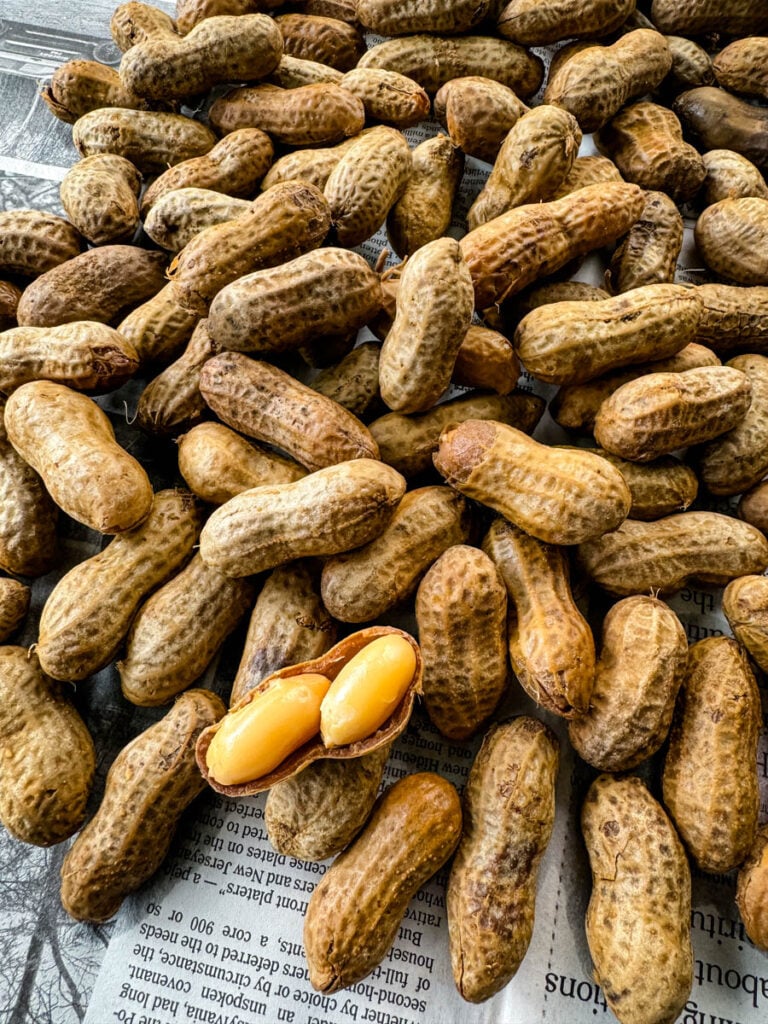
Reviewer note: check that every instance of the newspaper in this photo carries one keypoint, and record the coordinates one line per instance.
(216, 937)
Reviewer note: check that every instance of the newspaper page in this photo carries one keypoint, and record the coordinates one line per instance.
(216, 937)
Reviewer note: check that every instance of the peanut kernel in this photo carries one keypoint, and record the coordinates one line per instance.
(254, 739)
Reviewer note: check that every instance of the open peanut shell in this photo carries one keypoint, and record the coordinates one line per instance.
(329, 665)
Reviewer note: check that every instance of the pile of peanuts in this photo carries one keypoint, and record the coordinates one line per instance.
(328, 487)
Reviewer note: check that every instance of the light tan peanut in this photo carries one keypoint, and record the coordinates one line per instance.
(716, 120)
(640, 669)
(738, 459)
(336, 509)
(586, 170)
(70, 442)
(354, 382)
(266, 738)
(751, 888)
(284, 222)
(658, 488)
(89, 611)
(408, 442)
(649, 253)
(266, 403)
(178, 630)
(558, 496)
(355, 912)
(99, 195)
(534, 24)
(151, 141)
(133, 22)
(555, 665)
(86, 356)
(392, 18)
(28, 541)
(327, 292)
(360, 585)
(79, 86)
(218, 463)
(366, 183)
(486, 359)
(646, 143)
(294, 72)
(733, 318)
(432, 61)
(543, 294)
(461, 614)
(14, 605)
(316, 814)
(697, 17)
(753, 507)
(572, 342)
(741, 66)
(289, 625)
(509, 812)
(96, 285)
(732, 239)
(317, 114)
(33, 242)
(159, 328)
(434, 311)
(731, 176)
(745, 605)
(190, 12)
(710, 772)
(311, 165)
(234, 166)
(220, 49)
(535, 157)
(595, 83)
(388, 96)
(658, 413)
(179, 215)
(172, 402)
(666, 554)
(638, 918)
(511, 251)
(691, 65)
(48, 754)
(575, 406)
(9, 301)
(325, 40)
(477, 112)
(151, 782)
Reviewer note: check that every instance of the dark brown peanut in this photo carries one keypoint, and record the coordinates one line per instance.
(717, 120)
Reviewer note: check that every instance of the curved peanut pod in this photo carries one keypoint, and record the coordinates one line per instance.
(649, 253)
(355, 912)
(70, 442)
(509, 811)
(190, 12)
(559, 496)
(710, 771)
(666, 554)
(311, 165)
(151, 141)
(745, 605)
(89, 611)
(100, 196)
(752, 891)
(638, 919)
(717, 120)
(47, 751)
(134, 22)
(333, 510)
(640, 669)
(361, 585)
(461, 614)
(151, 782)
(740, 66)
(329, 665)
(33, 242)
(551, 647)
(586, 170)
(392, 18)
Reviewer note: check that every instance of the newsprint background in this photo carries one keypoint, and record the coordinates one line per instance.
(216, 938)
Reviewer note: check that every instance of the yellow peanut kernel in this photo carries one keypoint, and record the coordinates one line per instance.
(366, 691)
(255, 739)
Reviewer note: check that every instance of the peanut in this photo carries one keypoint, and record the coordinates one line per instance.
(310, 165)
(354, 382)
(717, 120)
(33, 242)
(190, 12)
(533, 24)
(99, 195)
(80, 86)
(740, 67)
(391, 18)
(14, 605)
(649, 253)
(486, 359)
(542, 295)
(733, 317)
(658, 488)
(509, 812)
(9, 301)
(751, 891)
(388, 96)
(732, 238)
(159, 328)
(752, 507)
(172, 401)
(477, 112)
(135, 22)
(151, 782)
(731, 176)
(586, 170)
(294, 72)
(423, 212)
(691, 65)
(697, 17)
(179, 215)
(745, 605)
(325, 40)
(151, 141)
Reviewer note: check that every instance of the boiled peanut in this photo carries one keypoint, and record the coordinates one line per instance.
(79, 86)
(14, 605)
(691, 65)
(333, 510)
(666, 554)
(179, 215)
(740, 67)
(134, 22)
(638, 919)
(9, 301)
(388, 96)
(733, 317)
(151, 141)
(710, 771)
(48, 754)
(423, 212)
(311, 165)
(33, 242)
(486, 359)
(190, 12)
(732, 237)
(413, 831)
(717, 120)
(509, 812)
(544, 294)
(751, 891)
(649, 253)
(294, 72)
(555, 666)
(531, 24)
(477, 112)
(745, 605)
(99, 195)
(731, 176)
(151, 782)
(325, 40)
(354, 382)
(388, 18)
(70, 442)
(658, 488)
(461, 614)
(159, 328)
(586, 170)
(697, 17)
(172, 401)
(344, 10)
(639, 671)
(752, 507)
